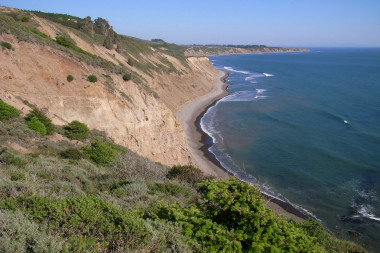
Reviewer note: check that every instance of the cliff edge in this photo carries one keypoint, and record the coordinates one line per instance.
(136, 113)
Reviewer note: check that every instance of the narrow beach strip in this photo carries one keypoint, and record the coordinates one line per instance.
(189, 116)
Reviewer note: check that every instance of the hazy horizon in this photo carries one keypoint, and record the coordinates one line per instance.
(294, 24)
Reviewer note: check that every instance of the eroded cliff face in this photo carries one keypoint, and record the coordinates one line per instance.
(129, 114)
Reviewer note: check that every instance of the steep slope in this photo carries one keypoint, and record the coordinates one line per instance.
(137, 114)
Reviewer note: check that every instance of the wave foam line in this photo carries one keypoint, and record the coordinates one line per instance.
(229, 165)
(259, 91)
(367, 214)
(253, 76)
(266, 74)
(237, 71)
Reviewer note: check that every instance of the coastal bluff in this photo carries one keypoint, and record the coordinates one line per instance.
(135, 110)
(136, 113)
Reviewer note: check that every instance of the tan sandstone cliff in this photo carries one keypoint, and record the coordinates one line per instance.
(131, 116)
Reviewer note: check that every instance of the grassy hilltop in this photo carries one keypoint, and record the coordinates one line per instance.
(72, 189)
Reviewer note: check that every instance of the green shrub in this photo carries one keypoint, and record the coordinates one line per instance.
(25, 19)
(69, 43)
(100, 152)
(170, 189)
(130, 62)
(16, 176)
(7, 111)
(92, 78)
(64, 41)
(186, 173)
(127, 77)
(232, 217)
(88, 222)
(6, 45)
(42, 118)
(41, 34)
(72, 153)
(37, 126)
(70, 78)
(76, 130)
(330, 243)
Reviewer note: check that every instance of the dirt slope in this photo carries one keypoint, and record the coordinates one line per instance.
(130, 115)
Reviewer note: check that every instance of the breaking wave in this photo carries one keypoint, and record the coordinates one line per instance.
(237, 71)
(244, 96)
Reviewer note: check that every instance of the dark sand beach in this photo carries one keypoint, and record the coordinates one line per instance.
(190, 115)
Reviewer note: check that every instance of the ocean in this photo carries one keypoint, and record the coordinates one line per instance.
(306, 128)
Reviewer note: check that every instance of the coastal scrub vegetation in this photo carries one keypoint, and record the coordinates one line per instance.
(127, 77)
(69, 78)
(6, 45)
(7, 111)
(92, 78)
(36, 125)
(76, 130)
(99, 197)
(36, 116)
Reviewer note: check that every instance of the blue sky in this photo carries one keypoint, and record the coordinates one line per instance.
(268, 22)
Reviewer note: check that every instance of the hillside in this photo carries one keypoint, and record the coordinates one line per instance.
(238, 49)
(134, 113)
(92, 158)
(77, 191)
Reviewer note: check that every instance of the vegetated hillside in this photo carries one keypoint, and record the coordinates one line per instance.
(69, 189)
(211, 50)
(66, 188)
(80, 69)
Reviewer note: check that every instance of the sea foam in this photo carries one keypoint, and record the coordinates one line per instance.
(241, 96)
(260, 91)
(237, 71)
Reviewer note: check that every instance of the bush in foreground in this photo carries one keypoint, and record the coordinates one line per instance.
(88, 222)
(76, 130)
(7, 111)
(232, 217)
(18, 234)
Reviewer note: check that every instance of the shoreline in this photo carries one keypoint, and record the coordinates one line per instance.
(190, 115)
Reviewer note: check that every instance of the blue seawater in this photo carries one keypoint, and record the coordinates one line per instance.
(306, 128)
